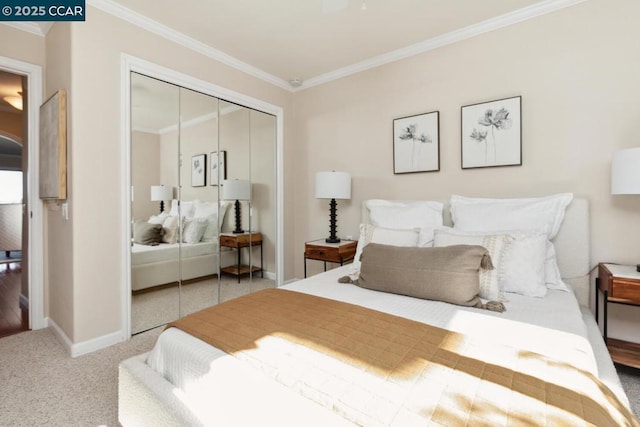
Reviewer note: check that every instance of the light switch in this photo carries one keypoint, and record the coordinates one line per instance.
(65, 210)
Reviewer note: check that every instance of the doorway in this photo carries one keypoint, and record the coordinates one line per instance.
(21, 225)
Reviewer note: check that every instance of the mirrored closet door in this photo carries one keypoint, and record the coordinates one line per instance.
(210, 164)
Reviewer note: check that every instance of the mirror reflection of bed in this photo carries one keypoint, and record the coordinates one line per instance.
(177, 210)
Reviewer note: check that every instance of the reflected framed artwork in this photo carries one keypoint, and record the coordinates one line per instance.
(198, 169)
(218, 169)
(492, 133)
(416, 143)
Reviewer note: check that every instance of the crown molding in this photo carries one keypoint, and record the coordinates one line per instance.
(443, 40)
(115, 9)
(29, 27)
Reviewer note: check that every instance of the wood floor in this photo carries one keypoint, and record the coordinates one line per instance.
(12, 318)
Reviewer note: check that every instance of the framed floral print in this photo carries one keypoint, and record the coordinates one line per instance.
(198, 169)
(492, 133)
(218, 168)
(416, 143)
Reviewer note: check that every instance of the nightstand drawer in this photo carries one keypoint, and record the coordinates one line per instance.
(625, 289)
(322, 253)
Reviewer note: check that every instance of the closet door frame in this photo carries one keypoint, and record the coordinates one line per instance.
(131, 64)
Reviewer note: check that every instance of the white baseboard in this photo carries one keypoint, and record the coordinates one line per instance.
(295, 279)
(269, 275)
(86, 347)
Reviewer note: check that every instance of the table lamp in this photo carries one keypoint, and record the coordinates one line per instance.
(161, 193)
(625, 173)
(333, 185)
(236, 189)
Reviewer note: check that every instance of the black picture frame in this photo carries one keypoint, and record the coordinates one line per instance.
(491, 133)
(416, 143)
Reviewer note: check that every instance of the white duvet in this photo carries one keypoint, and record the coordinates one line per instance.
(551, 326)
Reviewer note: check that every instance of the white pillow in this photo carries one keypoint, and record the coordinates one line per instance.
(405, 215)
(541, 214)
(497, 245)
(158, 219)
(194, 229)
(187, 208)
(372, 234)
(524, 265)
(170, 226)
(552, 276)
(204, 209)
(518, 258)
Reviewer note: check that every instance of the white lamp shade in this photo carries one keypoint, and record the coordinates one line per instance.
(625, 172)
(333, 185)
(160, 193)
(236, 189)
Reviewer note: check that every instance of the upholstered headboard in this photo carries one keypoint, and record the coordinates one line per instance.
(571, 243)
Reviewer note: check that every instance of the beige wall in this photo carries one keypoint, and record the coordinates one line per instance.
(96, 153)
(59, 249)
(145, 172)
(577, 72)
(24, 46)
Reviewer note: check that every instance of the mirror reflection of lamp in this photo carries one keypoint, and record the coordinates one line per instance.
(160, 193)
(333, 185)
(236, 189)
(625, 173)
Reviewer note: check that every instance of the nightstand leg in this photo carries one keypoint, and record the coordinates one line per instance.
(239, 259)
(605, 312)
(325, 266)
(305, 267)
(597, 304)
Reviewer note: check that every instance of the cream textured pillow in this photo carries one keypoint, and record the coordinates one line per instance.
(372, 234)
(524, 265)
(497, 245)
(170, 226)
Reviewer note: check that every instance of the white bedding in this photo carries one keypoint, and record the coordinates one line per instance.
(552, 326)
(144, 254)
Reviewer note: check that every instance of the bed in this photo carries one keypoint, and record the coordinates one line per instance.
(153, 266)
(159, 259)
(185, 381)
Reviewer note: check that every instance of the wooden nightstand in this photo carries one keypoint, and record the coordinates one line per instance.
(620, 284)
(239, 241)
(320, 250)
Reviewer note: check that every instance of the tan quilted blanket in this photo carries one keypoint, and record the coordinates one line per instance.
(378, 369)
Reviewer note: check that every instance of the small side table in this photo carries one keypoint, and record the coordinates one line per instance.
(620, 284)
(239, 241)
(320, 250)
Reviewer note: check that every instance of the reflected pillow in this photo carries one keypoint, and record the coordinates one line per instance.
(187, 209)
(170, 226)
(194, 229)
(145, 233)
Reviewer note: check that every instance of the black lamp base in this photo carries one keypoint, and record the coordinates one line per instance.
(332, 223)
(161, 206)
(238, 229)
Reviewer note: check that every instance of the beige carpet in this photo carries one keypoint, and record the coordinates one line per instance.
(41, 385)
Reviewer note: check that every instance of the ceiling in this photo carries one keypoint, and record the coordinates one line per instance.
(315, 41)
(307, 39)
(10, 85)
